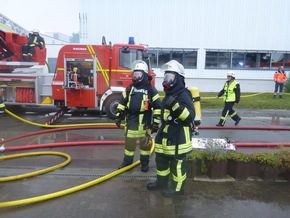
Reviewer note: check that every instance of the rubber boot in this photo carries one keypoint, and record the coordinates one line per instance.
(144, 159)
(126, 161)
(220, 123)
(169, 192)
(156, 185)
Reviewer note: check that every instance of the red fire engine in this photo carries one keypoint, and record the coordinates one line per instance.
(86, 76)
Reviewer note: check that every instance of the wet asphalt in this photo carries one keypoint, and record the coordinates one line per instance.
(125, 195)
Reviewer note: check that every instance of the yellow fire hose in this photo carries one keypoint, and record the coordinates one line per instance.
(69, 190)
(57, 126)
(35, 173)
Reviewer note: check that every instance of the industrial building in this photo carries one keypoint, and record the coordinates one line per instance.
(208, 37)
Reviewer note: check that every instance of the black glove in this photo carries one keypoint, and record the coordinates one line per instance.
(118, 118)
(118, 122)
(156, 122)
(197, 122)
(155, 127)
(170, 101)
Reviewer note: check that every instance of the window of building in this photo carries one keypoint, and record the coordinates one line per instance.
(190, 59)
(264, 60)
(286, 61)
(163, 57)
(187, 57)
(218, 60)
(259, 60)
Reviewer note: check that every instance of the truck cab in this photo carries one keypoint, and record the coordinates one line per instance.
(94, 76)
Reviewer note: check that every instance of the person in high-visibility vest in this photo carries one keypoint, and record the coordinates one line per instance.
(279, 79)
(174, 138)
(231, 92)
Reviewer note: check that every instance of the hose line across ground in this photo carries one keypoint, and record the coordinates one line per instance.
(38, 172)
(73, 189)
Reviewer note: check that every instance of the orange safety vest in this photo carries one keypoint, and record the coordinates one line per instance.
(280, 77)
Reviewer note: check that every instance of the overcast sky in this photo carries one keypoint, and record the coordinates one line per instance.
(44, 15)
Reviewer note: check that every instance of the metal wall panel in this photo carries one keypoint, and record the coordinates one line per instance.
(202, 24)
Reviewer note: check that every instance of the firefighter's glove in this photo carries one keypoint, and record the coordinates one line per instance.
(156, 122)
(170, 102)
(118, 122)
(118, 118)
(197, 122)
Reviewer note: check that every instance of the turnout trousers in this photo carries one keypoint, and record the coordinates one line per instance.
(228, 111)
(176, 166)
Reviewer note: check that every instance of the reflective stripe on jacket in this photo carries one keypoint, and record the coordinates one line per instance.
(175, 128)
(138, 116)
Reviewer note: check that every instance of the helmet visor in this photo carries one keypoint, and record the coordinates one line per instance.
(169, 77)
(138, 75)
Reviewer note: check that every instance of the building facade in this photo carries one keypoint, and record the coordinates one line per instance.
(208, 37)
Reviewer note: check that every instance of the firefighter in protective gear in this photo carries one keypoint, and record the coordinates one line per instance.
(34, 39)
(139, 100)
(2, 105)
(174, 138)
(279, 79)
(231, 92)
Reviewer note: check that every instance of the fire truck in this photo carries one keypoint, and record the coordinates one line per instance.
(86, 76)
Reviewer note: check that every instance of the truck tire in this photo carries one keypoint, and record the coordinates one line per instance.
(111, 106)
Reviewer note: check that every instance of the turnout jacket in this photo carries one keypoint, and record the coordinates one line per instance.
(140, 104)
(32, 39)
(175, 136)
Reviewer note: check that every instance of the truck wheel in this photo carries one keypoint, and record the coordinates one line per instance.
(111, 106)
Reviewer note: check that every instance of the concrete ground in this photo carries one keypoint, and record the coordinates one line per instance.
(125, 195)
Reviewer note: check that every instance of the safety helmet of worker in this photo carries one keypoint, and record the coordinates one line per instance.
(173, 71)
(75, 70)
(140, 72)
(35, 31)
(231, 75)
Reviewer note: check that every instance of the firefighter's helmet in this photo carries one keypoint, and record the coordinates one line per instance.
(231, 73)
(140, 65)
(75, 70)
(173, 66)
(35, 31)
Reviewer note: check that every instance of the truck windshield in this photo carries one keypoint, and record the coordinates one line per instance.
(128, 57)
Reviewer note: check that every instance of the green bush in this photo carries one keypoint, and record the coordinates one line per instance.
(238, 156)
(287, 85)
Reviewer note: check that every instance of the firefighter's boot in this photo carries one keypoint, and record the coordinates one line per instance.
(221, 123)
(156, 185)
(144, 159)
(173, 191)
(160, 183)
(237, 119)
(126, 162)
(169, 192)
(26, 58)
